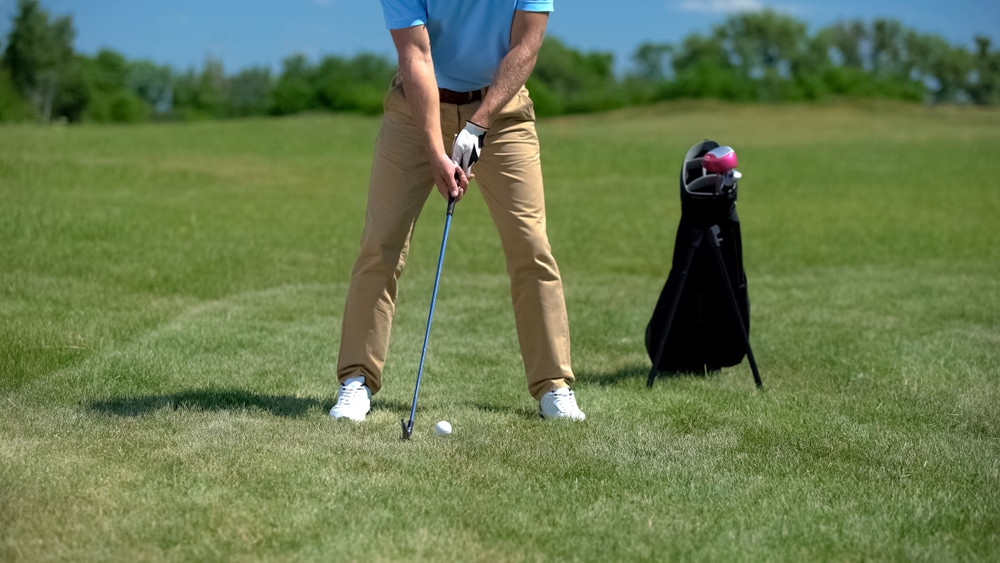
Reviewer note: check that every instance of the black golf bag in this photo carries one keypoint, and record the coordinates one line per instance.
(704, 331)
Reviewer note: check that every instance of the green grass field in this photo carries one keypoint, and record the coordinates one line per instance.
(170, 301)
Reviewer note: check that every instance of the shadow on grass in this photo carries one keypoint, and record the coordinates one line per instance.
(404, 408)
(210, 400)
(636, 374)
(523, 412)
(624, 375)
(389, 406)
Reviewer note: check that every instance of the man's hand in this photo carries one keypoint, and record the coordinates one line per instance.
(449, 178)
(413, 46)
(468, 145)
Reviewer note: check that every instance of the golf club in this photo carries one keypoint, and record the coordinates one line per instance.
(722, 161)
(408, 427)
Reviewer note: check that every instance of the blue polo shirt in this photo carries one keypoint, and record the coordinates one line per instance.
(469, 38)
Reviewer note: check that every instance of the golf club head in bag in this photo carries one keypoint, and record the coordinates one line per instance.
(722, 161)
(693, 328)
(709, 171)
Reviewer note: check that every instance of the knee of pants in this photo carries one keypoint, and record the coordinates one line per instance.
(383, 252)
(531, 260)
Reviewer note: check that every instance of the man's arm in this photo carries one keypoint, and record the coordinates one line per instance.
(413, 46)
(526, 34)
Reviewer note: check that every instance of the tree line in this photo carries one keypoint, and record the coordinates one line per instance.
(751, 57)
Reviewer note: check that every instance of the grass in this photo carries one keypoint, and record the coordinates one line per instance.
(170, 301)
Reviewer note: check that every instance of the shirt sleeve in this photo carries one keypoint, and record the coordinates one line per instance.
(400, 14)
(535, 5)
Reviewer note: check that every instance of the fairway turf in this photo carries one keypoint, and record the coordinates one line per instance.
(170, 301)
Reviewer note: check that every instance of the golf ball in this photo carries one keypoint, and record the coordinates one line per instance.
(442, 428)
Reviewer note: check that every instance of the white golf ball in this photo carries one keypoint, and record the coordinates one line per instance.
(442, 428)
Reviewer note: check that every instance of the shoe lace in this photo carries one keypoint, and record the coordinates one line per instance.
(349, 392)
(564, 402)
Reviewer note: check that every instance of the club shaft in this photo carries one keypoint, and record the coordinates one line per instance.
(430, 314)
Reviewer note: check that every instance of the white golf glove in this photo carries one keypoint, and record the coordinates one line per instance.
(468, 145)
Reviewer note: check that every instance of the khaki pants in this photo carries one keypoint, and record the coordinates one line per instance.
(509, 176)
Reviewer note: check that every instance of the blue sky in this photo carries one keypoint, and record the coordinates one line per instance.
(243, 33)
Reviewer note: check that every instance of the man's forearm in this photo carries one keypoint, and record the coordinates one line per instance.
(422, 98)
(515, 68)
(416, 67)
(417, 71)
(514, 71)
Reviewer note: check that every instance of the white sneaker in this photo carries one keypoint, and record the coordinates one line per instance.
(354, 400)
(560, 403)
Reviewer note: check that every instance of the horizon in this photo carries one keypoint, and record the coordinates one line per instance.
(263, 33)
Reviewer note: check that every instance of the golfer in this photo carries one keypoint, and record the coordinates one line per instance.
(458, 107)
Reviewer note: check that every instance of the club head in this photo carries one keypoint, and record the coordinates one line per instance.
(407, 430)
(720, 160)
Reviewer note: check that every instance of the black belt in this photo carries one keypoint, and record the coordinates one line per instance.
(460, 98)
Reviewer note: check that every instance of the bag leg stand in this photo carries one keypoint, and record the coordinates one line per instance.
(695, 243)
(713, 241)
(712, 233)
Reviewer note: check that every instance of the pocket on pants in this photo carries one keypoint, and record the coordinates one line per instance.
(395, 99)
(519, 109)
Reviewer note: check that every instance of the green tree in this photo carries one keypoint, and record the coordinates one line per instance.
(651, 73)
(840, 47)
(201, 95)
(703, 70)
(653, 62)
(870, 60)
(109, 97)
(767, 48)
(888, 49)
(13, 107)
(984, 85)
(357, 84)
(568, 81)
(294, 92)
(943, 68)
(153, 84)
(890, 63)
(847, 39)
(249, 93)
(39, 57)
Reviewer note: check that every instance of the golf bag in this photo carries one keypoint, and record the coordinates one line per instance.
(704, 330)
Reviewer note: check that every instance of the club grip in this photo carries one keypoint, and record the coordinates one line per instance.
(451, 205)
